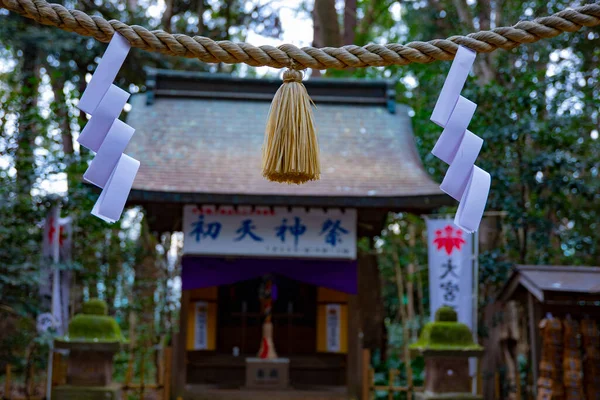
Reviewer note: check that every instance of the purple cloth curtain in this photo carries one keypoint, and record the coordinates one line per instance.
(200, 272)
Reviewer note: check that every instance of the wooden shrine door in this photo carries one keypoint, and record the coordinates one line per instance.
(239, 320)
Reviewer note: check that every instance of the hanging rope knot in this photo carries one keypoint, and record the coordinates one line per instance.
(292, 75)
(291, 149)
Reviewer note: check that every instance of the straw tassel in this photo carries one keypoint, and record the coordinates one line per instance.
(290, 150)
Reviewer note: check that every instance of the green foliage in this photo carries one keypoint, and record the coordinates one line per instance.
(95, 307)
(446, 314)
(445, 336)
(396, 361)
(94, 328)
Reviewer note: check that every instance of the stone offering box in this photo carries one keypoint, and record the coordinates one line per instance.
(267, 373)
(92, 341)
(446, 346)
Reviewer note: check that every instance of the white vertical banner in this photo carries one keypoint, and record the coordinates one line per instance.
(201, 325)
(450, 255)
(333, 315)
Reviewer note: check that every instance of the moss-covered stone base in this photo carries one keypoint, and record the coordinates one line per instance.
(69, 392)
(447, 396)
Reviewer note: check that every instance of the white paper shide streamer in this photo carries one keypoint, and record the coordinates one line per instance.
(459, 147)
(106, 135)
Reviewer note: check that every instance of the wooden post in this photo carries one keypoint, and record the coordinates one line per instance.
(167, 370)
(290, 310)
(180, 356)
(58, 369)
(420, 304)
(142, 371)
(390, 384)
(533, 340)
(131, 348)
(518, 382)
(7, 382)
(31, 385)
(243, 331)
(405, 335)
(391, 377)
(497, 385)
(160, 375)
(366, 367)
(410, 287)
(354, 362)
(479, 377)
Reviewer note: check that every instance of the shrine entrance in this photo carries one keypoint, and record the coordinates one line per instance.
(225, 320)
(294, 314)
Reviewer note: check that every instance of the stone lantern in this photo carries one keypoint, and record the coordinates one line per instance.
(446, 346)
(92, 340)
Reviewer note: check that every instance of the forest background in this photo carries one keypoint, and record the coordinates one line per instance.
(538, 116)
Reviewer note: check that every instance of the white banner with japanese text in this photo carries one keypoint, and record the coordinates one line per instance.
(334, 322)
(201, 326)
(450, 254)
(266, 231)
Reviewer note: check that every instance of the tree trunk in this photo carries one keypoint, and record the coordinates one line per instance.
(200, 11)
(167, 16)
(131, 5)
(28, 127)
(371, 304)
(406, 319)
(350, 21)
(316, 73)
(145, 284)
(62, 115)
(221, 67)
(329, 25)
(114, 268)
(228, 21)
(410, 287)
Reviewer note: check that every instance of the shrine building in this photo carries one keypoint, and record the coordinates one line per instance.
(199, 137)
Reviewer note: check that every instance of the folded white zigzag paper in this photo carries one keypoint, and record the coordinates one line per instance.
(459, 147)
(105, 134)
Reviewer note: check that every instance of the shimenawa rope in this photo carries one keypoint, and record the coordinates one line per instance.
(207, 50)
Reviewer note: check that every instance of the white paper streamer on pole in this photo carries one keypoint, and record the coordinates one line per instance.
(450, 257)
(459, 147)
(110, 170)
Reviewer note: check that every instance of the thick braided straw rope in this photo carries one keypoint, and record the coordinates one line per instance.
(286, 55)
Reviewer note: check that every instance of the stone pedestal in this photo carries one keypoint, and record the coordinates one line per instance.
(447, 375)
(89, 367)
(267, 373)
(446, 346)
(92, 340)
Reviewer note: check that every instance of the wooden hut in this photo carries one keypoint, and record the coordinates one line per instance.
(559, 294)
